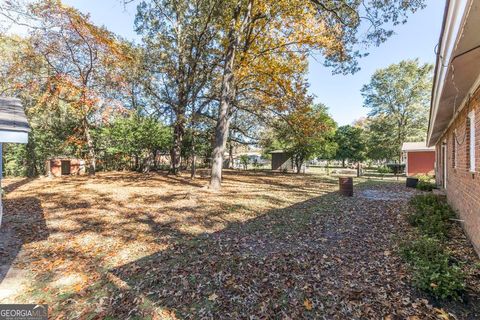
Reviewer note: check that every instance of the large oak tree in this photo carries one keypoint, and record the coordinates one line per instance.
(267, 27)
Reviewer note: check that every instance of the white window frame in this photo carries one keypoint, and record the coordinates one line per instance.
(471, 117)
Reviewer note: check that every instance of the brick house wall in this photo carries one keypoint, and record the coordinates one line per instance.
(462, 186)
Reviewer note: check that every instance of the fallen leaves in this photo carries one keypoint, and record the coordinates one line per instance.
(308, 304)
(267, 246)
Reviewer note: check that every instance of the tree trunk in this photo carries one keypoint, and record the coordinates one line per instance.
(155, 161)
(175, 152)
(230, 156)
(179, 127)
(343, 163)
(194, 159)
(147, 163)
(299, 163)
(227, 95)
(136, 163)
(91, 149)
(221, 133)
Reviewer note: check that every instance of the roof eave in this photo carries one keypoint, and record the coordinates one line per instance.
(447, 41)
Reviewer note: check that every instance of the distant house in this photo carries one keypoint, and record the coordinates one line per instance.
(254, 158)
(233, 158)
(418, 158)
(64, 166)
(454, 127)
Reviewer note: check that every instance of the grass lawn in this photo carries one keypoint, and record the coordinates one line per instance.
(269, 245)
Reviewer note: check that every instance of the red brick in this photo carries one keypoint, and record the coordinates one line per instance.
(463, 186)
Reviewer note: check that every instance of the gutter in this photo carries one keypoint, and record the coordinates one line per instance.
(435, 72)
(447, 43)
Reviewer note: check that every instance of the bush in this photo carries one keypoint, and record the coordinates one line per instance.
(425, 183)
(396, 168)
(15, 160)
(384, 170)
(244, 161)
(432, 216)
(423, 177)
(433, 269)
(422, 202)
(425, 186)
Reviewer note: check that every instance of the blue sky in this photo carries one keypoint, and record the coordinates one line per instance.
(416, 39)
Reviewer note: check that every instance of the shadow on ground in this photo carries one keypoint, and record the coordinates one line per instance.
(328, 257)
(23, 222)
(17, 184)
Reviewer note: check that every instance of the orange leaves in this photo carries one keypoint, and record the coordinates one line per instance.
(85, 54)
(74, 140)
(308, 304)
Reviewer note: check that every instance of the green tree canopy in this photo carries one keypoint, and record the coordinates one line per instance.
(381, 143)
(400, 96)
(135, 137)
(306, 132)
(351, 144)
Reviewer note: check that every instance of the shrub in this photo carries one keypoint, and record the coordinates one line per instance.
(433, 269)
(432, 215)
(430, 204)
(384, 170)
(425, 186)
(396, 168)
(244, 161)
(426, 178)
(421, 202)
(425, 183)
(424, 247)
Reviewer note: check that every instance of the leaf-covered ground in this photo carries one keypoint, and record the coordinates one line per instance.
(126, 245)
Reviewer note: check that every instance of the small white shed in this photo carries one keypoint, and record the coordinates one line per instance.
(14, 128)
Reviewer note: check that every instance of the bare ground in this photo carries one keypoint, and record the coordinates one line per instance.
(126, 245)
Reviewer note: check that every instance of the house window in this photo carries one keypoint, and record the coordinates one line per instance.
(470, 132)
(454, 149)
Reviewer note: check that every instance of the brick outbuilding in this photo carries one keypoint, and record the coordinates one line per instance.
(64, 166)
(454, 127)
